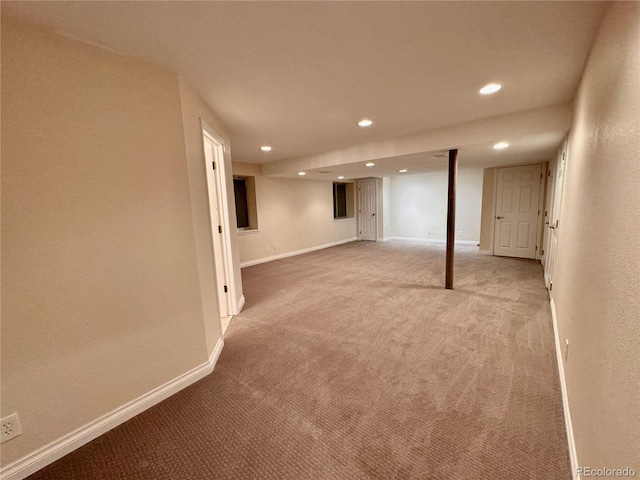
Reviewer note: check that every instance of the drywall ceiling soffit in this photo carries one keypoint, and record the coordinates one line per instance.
(299, 75)
(533, 135)
(471, 156)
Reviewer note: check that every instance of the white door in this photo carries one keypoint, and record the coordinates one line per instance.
(517, 211)
(212, 156)
(367, 209)
(554, 218)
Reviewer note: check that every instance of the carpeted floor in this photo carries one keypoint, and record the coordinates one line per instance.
(354, 363)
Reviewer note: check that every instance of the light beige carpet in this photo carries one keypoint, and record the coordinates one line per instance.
(354, 363)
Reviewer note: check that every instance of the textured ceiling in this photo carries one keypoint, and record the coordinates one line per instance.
(299, 75)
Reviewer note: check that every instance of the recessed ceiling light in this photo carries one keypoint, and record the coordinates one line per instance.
(370, 164)
(340, 177)
(365, 122)
(500, 146)
(403, 170)
(490, 88)
(265, 148)
(302, 174)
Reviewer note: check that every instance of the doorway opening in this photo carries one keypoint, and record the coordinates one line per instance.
(220, 230)
(518, 211)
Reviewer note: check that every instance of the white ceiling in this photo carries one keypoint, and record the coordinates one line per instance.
(299, 75)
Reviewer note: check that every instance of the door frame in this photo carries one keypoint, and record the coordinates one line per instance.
(221, 197)
(375, 182)
(539, 223)
(550, 186)
(541, 205)
(555, 208)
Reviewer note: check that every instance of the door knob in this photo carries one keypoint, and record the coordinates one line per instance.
(498, 217)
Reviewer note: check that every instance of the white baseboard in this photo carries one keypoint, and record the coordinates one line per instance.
(57, 449)
(240, 304)
(250, 263)
(565, 398)
(434, 240)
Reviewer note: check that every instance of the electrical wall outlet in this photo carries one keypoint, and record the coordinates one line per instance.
(431, 232)
(10, 427)
(266, 248)
(460, 233)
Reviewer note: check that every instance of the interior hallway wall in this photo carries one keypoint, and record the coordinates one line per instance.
(386, 208)
(293, 215)
(101, 299)
(596, 286)
(419, 205)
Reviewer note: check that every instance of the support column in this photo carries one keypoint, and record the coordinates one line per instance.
(451, 217)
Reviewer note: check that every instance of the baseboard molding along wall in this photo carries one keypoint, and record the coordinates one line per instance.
(271, 258)
(240, 304)
(565, 398)
(57, 449)
(434, 240)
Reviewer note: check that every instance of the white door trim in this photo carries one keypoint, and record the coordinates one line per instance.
(221, 184)
(494, 204)
(554, 212)
(546, 208)
(540, 232)
(218, 247)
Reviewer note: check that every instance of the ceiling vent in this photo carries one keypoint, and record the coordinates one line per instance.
(440, 156)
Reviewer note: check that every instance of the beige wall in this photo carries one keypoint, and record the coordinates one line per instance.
(419, 204)
(292, 215)
(488, 208)
(380, 217)
(100, 282)
(386, 207)
(596, 286)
